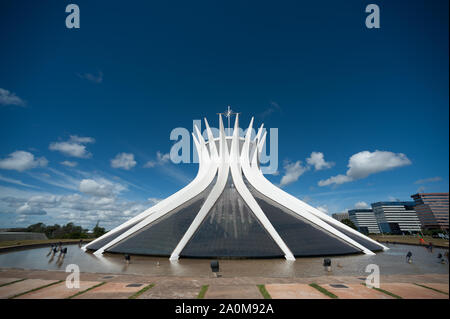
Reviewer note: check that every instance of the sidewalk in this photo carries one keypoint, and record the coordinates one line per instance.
(40, 284)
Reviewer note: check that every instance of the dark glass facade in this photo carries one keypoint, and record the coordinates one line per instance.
(231, 230)
(102, 242)
(162, 236)
(301, 236)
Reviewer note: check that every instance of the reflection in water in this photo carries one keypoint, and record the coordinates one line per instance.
(390, 262)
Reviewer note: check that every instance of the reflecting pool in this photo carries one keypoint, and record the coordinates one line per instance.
(392, 261)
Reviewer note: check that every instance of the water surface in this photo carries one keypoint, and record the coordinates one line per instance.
(392, 261)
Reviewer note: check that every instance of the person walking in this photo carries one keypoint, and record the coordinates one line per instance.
(409, 257)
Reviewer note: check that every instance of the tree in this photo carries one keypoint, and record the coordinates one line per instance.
(36, 228)
(349, 223)
(98, 231)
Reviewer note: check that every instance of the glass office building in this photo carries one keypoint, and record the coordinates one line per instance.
(364, 220)
(396, 217)
(432, 209)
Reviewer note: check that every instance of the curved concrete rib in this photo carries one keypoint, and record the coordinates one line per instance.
(212, 197)
(257, 179)
(248, 197)
(205, 177)
(268, 189)
(202, 170)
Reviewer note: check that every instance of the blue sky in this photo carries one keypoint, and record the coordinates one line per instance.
(136, 70)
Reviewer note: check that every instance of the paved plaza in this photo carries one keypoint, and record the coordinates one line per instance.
(40, 284)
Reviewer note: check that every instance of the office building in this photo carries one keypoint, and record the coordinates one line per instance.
(396, 217)
(432, 209)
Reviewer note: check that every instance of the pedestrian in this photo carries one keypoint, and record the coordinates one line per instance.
(127, 258)
(408, 257)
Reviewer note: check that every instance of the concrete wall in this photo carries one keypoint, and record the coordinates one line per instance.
(6, 236)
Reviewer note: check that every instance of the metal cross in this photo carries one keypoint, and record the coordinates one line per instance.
(228, 114)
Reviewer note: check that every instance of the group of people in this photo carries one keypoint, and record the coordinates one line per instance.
(429, 247)
(54, 249)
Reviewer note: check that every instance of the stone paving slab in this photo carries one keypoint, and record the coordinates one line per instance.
(294, 291)
(233, 292)
(356, 291)
(412, 291)
(111, 290)
(441, 287)
(173, 289)
(7, 280)
(22, 286)
(58, 291)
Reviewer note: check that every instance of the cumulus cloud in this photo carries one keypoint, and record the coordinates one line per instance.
(26, 209)
(428, 180)
(81, 209)
(317, 160)
(74, 147)
(21, 161)
(100, 187)
(94, 78)
(365, 163)
(9, 98)
(123, 160)
(292, 172)
(69, 163)
(160, 160)
(361, 205)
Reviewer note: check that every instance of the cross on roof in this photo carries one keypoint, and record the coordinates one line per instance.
(228, 114)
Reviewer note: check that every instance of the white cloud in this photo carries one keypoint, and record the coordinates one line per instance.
(95, 78)
(61, 209)
(323, 209)
(274, 107)
(160, 160)
(21, 161)
(81, 140)
(74, 147)
(15, 181)
(428, 180)
(9, 98)
(365, 163)
(421, 189)
(123, 160)
(338, 179)
(26, 209)
(317, 160)
(100, 187)
(361, 205)
(292, 172)
(69, 163)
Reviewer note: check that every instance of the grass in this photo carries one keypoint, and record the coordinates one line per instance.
(86, 290)
(140, 292)
(324, 291)
(264, 292)
(437, 290)
(202, 292)
(410, 240)
(385, 291)
(13, 243)
(12, 282)
(35, 289)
